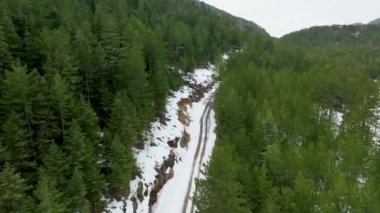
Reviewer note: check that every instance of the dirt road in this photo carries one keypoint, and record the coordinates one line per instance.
(204, 122)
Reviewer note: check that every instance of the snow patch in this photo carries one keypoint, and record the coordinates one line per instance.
(152, 156)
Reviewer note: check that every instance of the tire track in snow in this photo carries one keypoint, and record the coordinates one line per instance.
(207, 130)
(199, 153)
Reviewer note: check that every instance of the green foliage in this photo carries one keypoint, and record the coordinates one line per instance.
(5, 55)
(49, 199)
(297, 126)
(76, 192)
(124, 120)
(17, 140)
(56, 49)
(337, 36)
(120, 138)
(13, 187)
(80, 82)
(55, 163)
(229, 197)
(119, 159)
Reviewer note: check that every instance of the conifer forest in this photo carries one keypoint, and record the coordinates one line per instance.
(83, 82)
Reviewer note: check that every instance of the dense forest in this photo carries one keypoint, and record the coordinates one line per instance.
(81, 80)
(297, 121)
(360, 43)
(337, 36)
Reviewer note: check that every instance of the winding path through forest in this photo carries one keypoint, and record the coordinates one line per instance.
(189, 158)
(204, 123)
(176, 195)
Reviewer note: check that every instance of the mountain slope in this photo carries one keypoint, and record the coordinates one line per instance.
(297, 123)
(375, 22)
(82, 80)
(238, 20)
(336, 36)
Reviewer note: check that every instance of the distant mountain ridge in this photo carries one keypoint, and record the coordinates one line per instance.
(244, 23)
(336, 36)
(375, 22)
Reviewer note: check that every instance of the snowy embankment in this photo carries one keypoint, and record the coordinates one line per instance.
(176, 151)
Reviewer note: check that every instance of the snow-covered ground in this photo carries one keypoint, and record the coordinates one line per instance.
(171, 198)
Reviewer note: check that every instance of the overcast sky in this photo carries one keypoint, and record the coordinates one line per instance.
(280, 17)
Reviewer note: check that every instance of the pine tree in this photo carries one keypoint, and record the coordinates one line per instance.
(90, 63)
(124, 121)
(78, 150)
(81, 155)
(120, 138)
(259, 189)
(67, 14)
(305, 194)
(17, 143)
(132, 76)
(22, 94)
(5, 55)
(89, 122)
(56, 164)
(222, 193)
(95, 184)
(63, 103)
(57, 51)
(33, 50)
(9, 29)
(110, 41)
(157, 71)
(13, 197)
(120, 160)
(76, 191)
(50, 200)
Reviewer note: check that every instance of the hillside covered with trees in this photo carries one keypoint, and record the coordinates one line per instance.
(297, 126)
(81, 80)
(336, 36)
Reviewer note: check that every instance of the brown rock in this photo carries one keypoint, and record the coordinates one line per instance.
(165, 172)
(185, 139)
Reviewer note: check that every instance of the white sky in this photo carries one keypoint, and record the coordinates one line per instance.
(279, 17)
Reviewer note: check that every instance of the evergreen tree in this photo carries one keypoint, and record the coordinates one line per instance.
(13, 197)
(77, 147)
(57, 51)
(222, 192)
(131, 76)
(5, 55)
(305, 194)
(157, 71)
(81, 155)
(56, 164)
(21, 94)
(76, 191)
(9, 29)
(88, 53)
(17, 143)
(110, 41)
(89, 122)
(49, 199)
(120, 161)
(124, 121)
(63, 103)
(120, 138)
